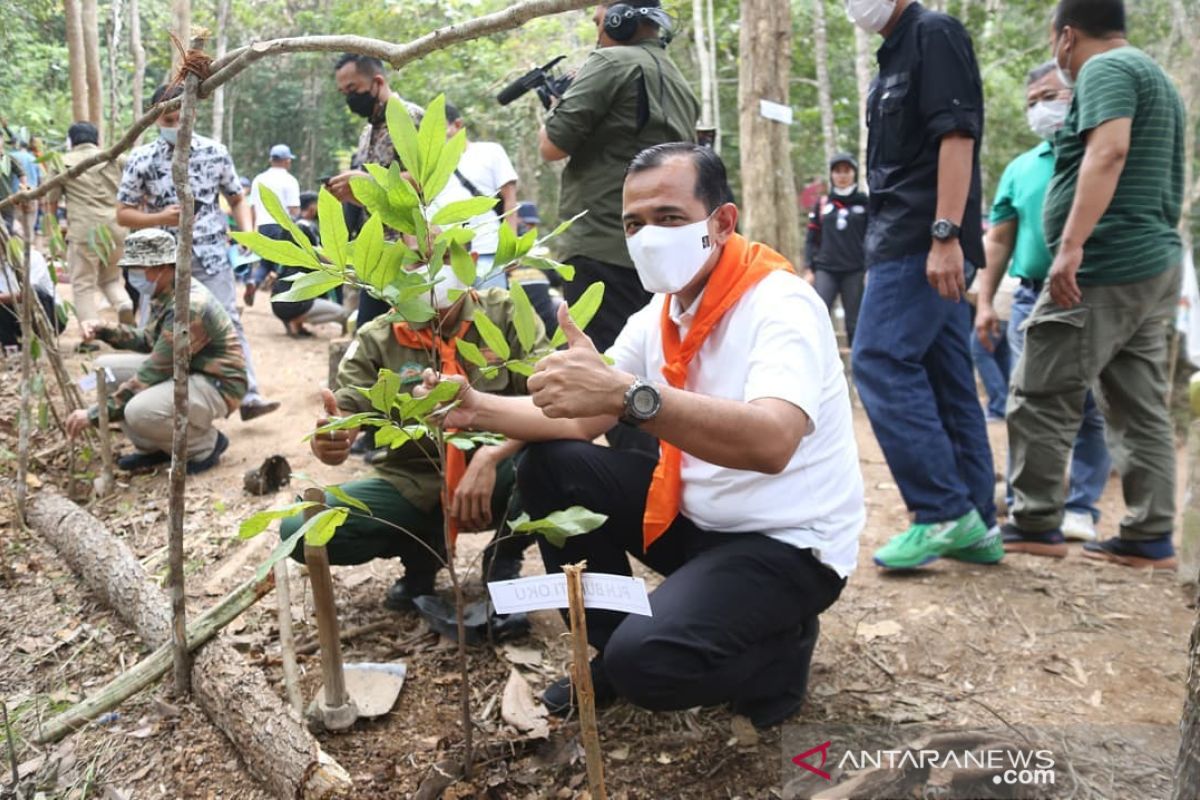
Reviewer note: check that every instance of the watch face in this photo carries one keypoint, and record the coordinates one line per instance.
(644, 401)
(941, 229)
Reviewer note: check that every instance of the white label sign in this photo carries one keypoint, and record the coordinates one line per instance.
(611, 592)
(88, 382)
(776, 111)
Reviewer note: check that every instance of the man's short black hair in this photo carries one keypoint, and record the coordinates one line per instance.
(1096, 18)
(1039, 72)
(712, 181)
(452, 112)
(366, 65)
(83, 133)
(307, 199)
(164, 93)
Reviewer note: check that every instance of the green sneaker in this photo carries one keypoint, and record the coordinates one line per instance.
(988, 550)
(926, 542)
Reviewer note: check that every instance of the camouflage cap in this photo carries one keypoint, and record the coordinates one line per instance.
(149, 247)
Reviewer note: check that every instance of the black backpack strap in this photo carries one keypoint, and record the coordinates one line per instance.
(470, 187)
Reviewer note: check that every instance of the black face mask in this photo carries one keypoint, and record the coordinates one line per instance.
(361, 103)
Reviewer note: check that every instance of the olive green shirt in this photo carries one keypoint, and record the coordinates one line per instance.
(411, 468)
(1138, 236)
(623, 100)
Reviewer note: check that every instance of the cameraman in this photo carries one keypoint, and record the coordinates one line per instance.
(627, 96)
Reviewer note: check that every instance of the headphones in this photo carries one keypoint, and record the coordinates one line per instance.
(621, 20)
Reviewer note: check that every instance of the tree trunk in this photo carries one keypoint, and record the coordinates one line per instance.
(76, 60)
(277, 750)
(181, 26)
(862, 76)
(114, 48)
(712, 63)
(218, 97)
(700, 40)
(139, 57)
(91, 55)
(768, 185)
(824, 94)
(1187, 766)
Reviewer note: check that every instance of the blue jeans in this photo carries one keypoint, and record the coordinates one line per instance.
(1090, 461)
(912, 367)
(993, 366)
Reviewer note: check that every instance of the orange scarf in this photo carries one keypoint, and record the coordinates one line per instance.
(741, 267)
(447, 350)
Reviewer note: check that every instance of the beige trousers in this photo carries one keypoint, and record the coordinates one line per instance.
(150, 415)
(89, 274)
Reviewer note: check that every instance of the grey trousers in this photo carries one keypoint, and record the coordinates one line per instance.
(323, 311)
(224, 288)
(1115, 342)
(149, 416)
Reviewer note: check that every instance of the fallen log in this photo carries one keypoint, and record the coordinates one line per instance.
(155, 665)
(275, 747)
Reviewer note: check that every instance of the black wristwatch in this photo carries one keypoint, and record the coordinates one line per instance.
(642, 403)
(944, 230)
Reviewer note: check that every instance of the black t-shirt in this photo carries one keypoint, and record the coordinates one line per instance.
(836, 227)
(285, 310)
(928, 86)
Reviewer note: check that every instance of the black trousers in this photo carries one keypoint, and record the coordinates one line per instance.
(728, 618)
(850, 286)
(10, 319)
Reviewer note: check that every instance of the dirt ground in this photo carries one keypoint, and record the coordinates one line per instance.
(1069, 646)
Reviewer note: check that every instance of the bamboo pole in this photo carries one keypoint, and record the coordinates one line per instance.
(155, 665)
(107, 481)
(28, 297)
(581, 672)
(181, 355)
(287, 642)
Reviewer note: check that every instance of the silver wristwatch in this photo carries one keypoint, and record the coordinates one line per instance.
(642, 403)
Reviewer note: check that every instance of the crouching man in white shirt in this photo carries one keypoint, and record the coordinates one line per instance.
(752, 510)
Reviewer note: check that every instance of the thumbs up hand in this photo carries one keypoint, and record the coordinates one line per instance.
(331, 448)
(577, 383)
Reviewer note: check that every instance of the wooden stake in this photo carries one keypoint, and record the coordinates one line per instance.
(1189, 549)
(182, 360)
(287, 645)
(24, 425)
(107, 480)
(581, 671)
(338, 713)
(155, 665)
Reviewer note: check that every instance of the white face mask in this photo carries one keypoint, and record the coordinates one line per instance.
(1047, 117)
(843, 191)
(870, 15)
(668, 259)
(169, 135)
(447, 281)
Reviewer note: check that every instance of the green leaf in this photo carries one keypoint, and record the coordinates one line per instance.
(461, 443)
(582, 312)
(549, 265)
(335, 239)
(373, 196)
(383, 394)
(281, 551)
(448, 162)
(415, 309)
(400, 191)
(420, 407)
(463, 210)
(462, 263)
(431, 139)
(257, 523)
(344, 423)
(524, 317)
(520, 367)
(470, 352)
(559, 525)
(367, 253)
(35, 348)
(308, 286)
(281, 216)
(493, 337)
(506, 249)
(281, 252)
(404, 135)
(562, 228)
(322, 527)
(392, 437)
(340, 494)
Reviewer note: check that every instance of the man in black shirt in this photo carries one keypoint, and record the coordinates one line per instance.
(912, 359)
(833, 249)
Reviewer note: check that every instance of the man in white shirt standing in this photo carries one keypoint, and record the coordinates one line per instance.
(279, 179)
(486, 171)
(753, 508)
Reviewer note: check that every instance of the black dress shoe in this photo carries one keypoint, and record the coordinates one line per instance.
(253, 409)
(198, 465)
(137, 462)
(559, 699)
(402, 593)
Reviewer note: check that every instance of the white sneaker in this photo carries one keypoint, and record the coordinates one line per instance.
(1079, 527)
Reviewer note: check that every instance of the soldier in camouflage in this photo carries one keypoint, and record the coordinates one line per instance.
(144, 399)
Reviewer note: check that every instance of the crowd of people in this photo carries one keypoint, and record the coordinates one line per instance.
(712, 369)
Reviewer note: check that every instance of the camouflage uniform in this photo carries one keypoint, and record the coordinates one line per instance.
(404, 486)
(144, 400)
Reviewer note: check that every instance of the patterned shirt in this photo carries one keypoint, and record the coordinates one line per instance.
(216, 353)
(147, 182)
(375, 143)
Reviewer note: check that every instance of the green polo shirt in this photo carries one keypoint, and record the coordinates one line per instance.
(1020, 197)
(1138, 236)
(623, 100)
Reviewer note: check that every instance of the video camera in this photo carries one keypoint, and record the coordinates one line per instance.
(547, 84)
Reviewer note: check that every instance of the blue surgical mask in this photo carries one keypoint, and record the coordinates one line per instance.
(139, 281)
(169, 135)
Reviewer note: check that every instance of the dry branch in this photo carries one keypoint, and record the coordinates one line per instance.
(28, 298)
(107, 481)
(155, 665)
(276, 748)
(581, 677)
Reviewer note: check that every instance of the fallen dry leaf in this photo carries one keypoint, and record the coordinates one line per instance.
(744, 732)
(525, 656)
(519, 709)
(875, 630)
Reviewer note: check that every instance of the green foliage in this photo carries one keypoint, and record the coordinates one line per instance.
(558, 526)
(259, 522)
(315, 532)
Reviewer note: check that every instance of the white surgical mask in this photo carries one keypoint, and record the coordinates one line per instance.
(668, 259)
(870, 15)
(1063, 75)
(169, 135)
(844, 191)
(1047, 117)
(139, 281)
(447, 281)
